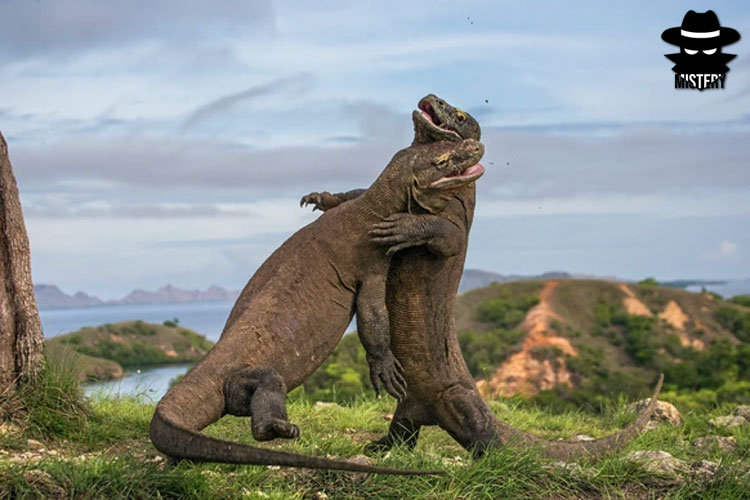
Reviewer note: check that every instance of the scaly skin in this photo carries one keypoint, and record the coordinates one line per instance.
(429, 254)
(293, 312)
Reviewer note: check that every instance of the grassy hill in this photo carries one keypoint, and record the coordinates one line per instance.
(102, 352)
(584, 341)
(579, 343)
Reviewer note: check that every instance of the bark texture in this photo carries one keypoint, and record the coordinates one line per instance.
(21, 339)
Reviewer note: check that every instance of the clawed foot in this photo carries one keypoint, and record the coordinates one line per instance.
(276, 429)
(398, 231)
(388, 371)
(378, 447)
(320, 201)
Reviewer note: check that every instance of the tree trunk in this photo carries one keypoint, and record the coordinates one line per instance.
(21, 339)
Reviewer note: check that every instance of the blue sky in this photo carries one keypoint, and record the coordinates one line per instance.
(170, 141)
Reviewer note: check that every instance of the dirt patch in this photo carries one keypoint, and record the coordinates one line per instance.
(676, 317)
(116, 338)
(525, 372)
(632, 304)
(169, 351)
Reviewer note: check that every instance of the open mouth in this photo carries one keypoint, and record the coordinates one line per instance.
(469, 174)
(428, 113)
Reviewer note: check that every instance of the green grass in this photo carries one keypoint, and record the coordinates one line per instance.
(118, 461)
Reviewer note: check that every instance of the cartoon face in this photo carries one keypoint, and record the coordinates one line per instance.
(700, 39)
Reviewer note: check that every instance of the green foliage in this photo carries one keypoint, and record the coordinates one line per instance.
(343, 376)
(507, 311)
(734, 320)
(135, 343)
(650, 281)
(127, 354)
(741, 300)
(483, 352)
(641, 336)
(172, 323)
(52, 405)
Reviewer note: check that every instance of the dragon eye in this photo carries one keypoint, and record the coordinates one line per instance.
(709, 51)
(461, 118)
(691, 52)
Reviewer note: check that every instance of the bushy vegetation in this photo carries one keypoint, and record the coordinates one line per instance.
(741, 300)
(485, 351)
(343, 376)
(136, 343)
(735, 320)
(650, 281)
(721, 372)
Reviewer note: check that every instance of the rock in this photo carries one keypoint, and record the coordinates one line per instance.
(664, 412)
(456, 460)
(9, 430)
(705, 470)
(572, 468)
(325, 404)
(728, 421)
(582, 437)
(52, 453)
(362, 460)
(661, 463)
(34, 444)
(576, 438)
(743, 411)
(320, 495)
(715, 442)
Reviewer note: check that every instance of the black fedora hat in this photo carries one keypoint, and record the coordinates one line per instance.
(700, 31)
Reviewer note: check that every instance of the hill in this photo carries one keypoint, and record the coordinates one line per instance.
(101, 352)
(571, 343)
(51, 297)
(580, 341)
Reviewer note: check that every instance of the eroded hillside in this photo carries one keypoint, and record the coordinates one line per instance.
(572, 339)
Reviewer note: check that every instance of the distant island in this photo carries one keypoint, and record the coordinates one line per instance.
(104, 352)
(51, 297)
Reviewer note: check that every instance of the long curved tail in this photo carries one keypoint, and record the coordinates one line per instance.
(596, 448)
(177, 440)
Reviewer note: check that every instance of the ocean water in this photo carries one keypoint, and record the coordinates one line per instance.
(206, 318)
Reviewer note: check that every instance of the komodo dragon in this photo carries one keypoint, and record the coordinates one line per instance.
(293, 312)
(421, 289)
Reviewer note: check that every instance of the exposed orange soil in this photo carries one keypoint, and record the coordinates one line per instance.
(675, 316)
(524, 374)
(632, 304)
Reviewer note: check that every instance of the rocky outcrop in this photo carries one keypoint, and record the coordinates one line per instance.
(665, 412)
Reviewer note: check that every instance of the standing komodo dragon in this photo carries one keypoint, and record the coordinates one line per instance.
(293, 312)
(421, 290)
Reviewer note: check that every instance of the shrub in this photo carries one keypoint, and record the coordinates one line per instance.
(742, 300)
(650, 281)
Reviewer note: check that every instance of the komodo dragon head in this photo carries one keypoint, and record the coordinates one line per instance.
(436, 120)
(429, 174)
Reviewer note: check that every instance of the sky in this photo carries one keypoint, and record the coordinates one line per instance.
(170, 142)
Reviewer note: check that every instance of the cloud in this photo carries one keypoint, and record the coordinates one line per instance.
(727, 251)
(523, 165)
(296, 83)
(47, 27)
